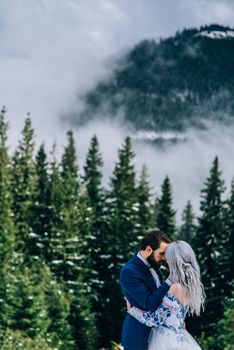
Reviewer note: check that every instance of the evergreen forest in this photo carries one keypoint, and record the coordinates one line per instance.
(64, 238)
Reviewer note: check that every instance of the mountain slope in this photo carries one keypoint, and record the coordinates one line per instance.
(170, 84)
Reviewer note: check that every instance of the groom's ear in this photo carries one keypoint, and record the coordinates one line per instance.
(148, 249)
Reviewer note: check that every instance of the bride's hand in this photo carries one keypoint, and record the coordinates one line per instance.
(127, 303)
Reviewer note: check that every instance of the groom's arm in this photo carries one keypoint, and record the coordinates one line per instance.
(137, 292)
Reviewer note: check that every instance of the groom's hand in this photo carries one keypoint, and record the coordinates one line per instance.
(127, 304)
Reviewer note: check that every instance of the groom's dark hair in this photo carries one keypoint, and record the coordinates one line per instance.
(153, 239)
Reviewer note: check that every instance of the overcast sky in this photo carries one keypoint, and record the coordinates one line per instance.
(51, 51)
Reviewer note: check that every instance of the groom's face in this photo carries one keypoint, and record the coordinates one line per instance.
(157, 257)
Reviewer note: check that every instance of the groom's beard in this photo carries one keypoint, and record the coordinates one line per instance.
(153, 263)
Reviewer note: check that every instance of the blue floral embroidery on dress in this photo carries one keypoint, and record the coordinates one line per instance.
(169, 316)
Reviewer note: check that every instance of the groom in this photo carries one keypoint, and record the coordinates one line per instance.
(141, 283)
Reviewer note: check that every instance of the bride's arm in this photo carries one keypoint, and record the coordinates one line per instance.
(151, 319)
(158, 317)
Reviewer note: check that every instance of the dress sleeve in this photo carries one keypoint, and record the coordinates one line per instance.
(155, 318)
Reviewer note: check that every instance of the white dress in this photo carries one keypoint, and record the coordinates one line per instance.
(167, 325)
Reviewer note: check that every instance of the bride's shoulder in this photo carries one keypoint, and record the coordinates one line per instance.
(177, 290)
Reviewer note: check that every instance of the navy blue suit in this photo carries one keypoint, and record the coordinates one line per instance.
(140, 289)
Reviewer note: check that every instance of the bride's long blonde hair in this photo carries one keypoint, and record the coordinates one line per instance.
(185, 270)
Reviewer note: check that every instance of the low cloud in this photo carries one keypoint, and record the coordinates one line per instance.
(186, 163)
(53, 51)
(212, 11)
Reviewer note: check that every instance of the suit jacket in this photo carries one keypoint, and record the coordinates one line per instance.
(139, 287)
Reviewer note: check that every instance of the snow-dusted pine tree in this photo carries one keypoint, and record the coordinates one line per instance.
(123, 221)
(229, 246)
(210, 247)
(41, 207)
(7, 230)
(146, 210)
(188, 227)
(74, 250)
(96, 235)
(23, 189)
(165, 214)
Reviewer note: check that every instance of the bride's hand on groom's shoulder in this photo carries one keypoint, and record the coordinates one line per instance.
(127, 304)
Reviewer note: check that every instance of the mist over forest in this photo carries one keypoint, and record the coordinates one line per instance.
(174, 98)
(60, 64)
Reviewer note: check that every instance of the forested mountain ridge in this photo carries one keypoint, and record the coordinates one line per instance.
(170, 84)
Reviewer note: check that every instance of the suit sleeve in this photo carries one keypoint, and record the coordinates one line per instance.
(137, 292)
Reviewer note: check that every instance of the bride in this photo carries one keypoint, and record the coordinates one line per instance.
(186, 295)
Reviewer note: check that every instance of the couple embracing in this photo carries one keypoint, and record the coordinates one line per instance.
(157, 309)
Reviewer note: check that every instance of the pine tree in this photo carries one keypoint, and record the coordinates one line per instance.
(123, 205)
(225, 326)
(96, 231)
(17, 340)
(41, 208)
(6, 217)
(34, 304)
(123, 221)
(209, 244)
(92, 174)
(165, 215)
(146, 214)
(229, 254)
(63, 194)
(75, 251)
(24, 303)
(82, 318)
(188, 227)
(58, 308)
(23, 188)
(54, 252)
(70, 218)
